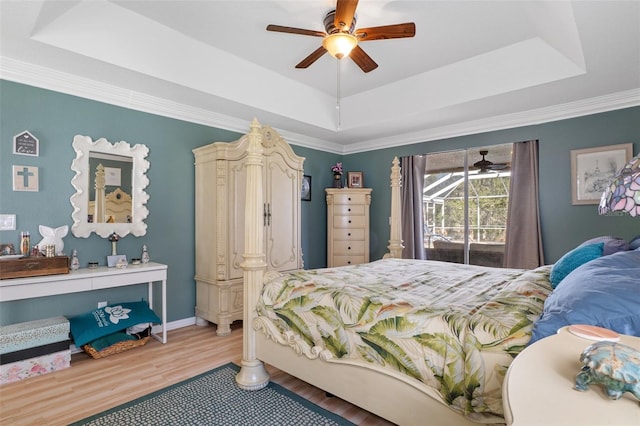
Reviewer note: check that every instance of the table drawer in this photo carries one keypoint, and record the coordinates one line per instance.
(349, 199)
(349, 222)
(347, 260)
(348, 247)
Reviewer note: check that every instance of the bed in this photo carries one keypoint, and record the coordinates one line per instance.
(413, 341)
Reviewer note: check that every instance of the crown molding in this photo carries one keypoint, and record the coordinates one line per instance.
(71, 84)
(609, 102)
(50, 79)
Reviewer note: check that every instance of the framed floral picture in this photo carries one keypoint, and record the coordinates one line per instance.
(354, 179)
(593, 168)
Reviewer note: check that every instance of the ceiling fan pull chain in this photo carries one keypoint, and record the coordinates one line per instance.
(338, 94)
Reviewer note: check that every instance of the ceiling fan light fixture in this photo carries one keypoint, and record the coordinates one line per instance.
(339, 44)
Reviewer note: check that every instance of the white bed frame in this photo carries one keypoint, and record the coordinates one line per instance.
(393, 396)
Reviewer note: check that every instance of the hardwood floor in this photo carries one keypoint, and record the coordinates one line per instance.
(94, 385)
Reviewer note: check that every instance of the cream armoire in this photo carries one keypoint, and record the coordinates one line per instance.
(220, 199)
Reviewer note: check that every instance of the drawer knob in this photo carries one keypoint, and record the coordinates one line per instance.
(348, 248)
(349, 262)
(349, 221)
(349, 198)
(348, 209)
(349, 234)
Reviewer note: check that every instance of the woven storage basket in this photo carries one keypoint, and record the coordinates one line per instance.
(117, 347)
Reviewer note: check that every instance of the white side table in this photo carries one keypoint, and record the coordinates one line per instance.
(539, 387)
(85, 279)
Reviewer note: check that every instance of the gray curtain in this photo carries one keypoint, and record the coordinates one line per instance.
(523, 247)
(413, 170)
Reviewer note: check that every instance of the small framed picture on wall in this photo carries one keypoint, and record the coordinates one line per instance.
(355, 180)
(305, 191)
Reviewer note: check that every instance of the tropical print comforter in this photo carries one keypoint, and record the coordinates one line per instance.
(454, 327)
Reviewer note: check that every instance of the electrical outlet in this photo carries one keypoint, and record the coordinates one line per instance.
(102, 304)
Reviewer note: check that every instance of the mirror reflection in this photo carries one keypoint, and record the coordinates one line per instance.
(110, 183)
(109, 188)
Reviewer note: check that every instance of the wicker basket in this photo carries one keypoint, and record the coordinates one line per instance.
(117, 347)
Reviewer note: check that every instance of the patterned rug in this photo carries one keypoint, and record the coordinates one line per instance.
(213, 398)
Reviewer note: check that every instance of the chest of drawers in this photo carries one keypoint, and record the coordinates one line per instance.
(347, 226)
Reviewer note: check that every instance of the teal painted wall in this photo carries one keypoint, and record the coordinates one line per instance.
(563, 224)
(55, 118)
(317, 164)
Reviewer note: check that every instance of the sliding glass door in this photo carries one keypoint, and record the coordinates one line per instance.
(465, 198)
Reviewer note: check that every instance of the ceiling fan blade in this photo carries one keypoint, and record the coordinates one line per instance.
(291, 30)
(314, 56)
(345, 11)
(498, 166)
(363, 60)
(385, 32)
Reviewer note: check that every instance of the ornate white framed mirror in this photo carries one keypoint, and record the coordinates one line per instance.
(110, 183)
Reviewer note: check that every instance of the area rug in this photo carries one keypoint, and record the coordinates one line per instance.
(213, 398)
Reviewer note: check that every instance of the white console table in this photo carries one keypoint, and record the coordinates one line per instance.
(85, 279)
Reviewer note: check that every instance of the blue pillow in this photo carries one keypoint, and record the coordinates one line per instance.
(604, 292)
(571, 260)
(108, 320)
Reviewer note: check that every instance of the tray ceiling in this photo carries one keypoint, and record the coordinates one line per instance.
(472, 66)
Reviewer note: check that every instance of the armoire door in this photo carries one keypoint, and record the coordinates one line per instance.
(282, 201)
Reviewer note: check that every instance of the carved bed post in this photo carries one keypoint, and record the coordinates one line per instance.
(395, 238)
(252, 375)
(98, 214)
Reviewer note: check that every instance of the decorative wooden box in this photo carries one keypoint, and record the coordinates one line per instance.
(33, 266)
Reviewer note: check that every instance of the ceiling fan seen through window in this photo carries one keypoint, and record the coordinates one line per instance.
(485, 165)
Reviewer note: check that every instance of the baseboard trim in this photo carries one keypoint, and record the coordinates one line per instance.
(174, 325)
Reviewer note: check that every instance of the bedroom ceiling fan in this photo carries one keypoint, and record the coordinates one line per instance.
(485, 165)
(341, 38)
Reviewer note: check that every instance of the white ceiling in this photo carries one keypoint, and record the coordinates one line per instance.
(472, 66)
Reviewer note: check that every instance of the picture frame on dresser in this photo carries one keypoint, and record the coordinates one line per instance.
(593, 168)
(355, 180)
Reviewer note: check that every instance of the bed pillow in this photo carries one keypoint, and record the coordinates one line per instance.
(602, 239)
(108, 320)
(571, 260)
(604, 292)
(614, 246)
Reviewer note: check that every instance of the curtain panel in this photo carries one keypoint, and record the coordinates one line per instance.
(413, 171)
(523, 247)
